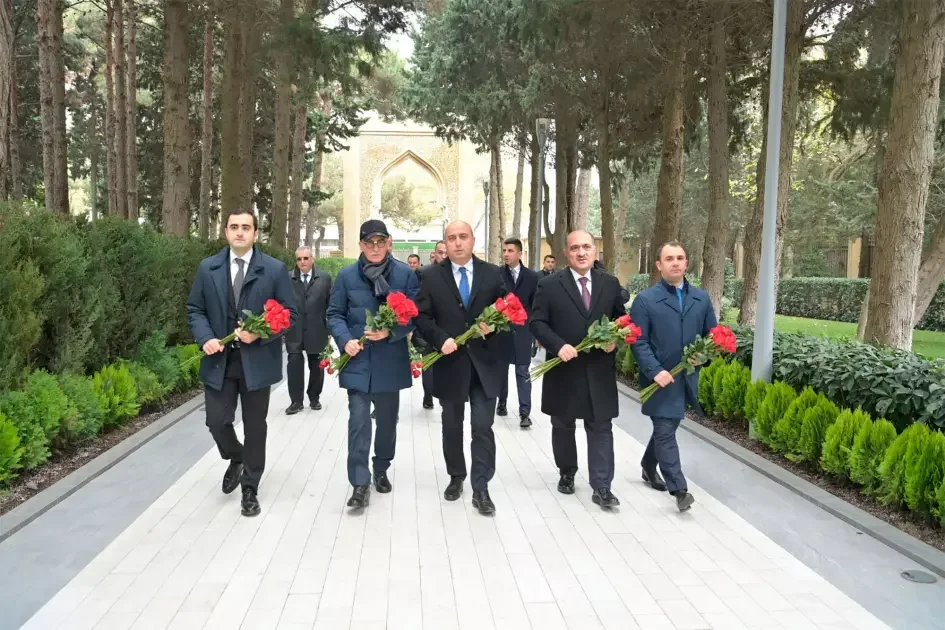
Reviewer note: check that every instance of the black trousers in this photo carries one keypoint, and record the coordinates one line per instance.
(482, 446)
(600, 448)
(295, 374)
(221, 412)
(662, 449)
(427, 380)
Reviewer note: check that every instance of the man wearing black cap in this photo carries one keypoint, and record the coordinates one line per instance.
(380, 368)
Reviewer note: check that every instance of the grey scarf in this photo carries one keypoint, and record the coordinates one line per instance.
(375, 273)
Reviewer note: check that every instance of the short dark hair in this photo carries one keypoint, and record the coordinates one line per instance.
(513, 241)
(659, 252)
(443, 243)
(237, 212)
(417, 256)
(551, 256)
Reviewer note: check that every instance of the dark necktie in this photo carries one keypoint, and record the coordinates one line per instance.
(238, 280)
(585, 293)
(464, 287)
(305, 279)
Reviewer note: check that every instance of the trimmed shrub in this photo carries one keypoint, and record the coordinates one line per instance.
(817, 420)
(869, 449)
(149, 387)
(900, 457)
(839, 441)
(787, 430)
(755, 395)
(939, 509)
(21, 326)
(190, 375)
(116, 389)
(735, 381)
(924, 477)
(49, 402)
(154, 355)
(10, 450)
(706, 377)
(777, 400)
(331, 265)
(18, 408)
(89, 415)
(717, 384)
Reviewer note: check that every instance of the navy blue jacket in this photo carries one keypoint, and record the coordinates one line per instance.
(382, 366)
(666, 332)
(517, 343)
(210, 316)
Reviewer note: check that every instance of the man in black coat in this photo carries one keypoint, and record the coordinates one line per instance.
(309, 335)
(585, 385)
(437, 256)
(239, 278)
(452, 295)
(517, 344)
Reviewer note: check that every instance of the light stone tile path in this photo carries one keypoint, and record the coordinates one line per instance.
(413, 561)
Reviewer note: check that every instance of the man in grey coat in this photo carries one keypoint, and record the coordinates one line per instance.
(309, 335)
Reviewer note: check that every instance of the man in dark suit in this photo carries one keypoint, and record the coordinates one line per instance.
(585, 385)
(671, 314)
(310, 333)
(548, 265)
(453, 294)
(239, 278)
(437, 256)
(517, 344)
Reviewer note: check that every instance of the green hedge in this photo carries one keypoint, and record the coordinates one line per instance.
(904, 470)
(334, 265)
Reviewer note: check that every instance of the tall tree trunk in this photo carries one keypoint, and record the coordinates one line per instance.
(534, 214)
(298, 165)
(323, 101)
(496, 228)
(582, 195)
(93, 144)
(519, 194)
(794, 43)
(13, 133)
(608, 225)
(206, 141)
(175, 213)
(131, 117)
(565, 176)
(231, 167)
(283, 138)
(669, 183)
(713, 275)
(7, 81)
(112, 158)
(251, 38)
(52, 100)
(931, 273)
(121, 111)
(904, 178)
(545, 213)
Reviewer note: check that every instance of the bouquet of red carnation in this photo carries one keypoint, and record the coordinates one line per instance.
(325, 357)
(397, 311)
(600, 336)
(505, 312)
(274, 319)
(720, 340)
(416, 360)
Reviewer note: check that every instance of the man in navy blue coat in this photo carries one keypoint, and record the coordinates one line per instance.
(671, 314)
(239, 278)
(518, 342)
(380, 368)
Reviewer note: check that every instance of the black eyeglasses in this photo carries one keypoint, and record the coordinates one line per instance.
(301, 258)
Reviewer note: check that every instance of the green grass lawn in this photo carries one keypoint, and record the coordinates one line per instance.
(926, 343)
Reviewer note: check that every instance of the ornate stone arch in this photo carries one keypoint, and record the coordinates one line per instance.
(407, 155)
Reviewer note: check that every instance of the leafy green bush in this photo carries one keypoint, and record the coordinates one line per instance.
(939, 510)
(89, 415)
(839, 441)
(154, 355)
(925, 477)
(116, 389)
(717, 384)
(777, 400)
(189, 375)
(817, 420)
(49, 402)
(869, 450)
(885, 382)
(757, 390)
(21, 326)
(10, 450)
(900, 458)
(331, 265)
(706, 377)
(18, 408)
(735, 381)
(787, 429)
(147, 384)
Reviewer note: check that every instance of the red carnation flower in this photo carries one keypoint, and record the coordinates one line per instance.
(623, 321)
(403, 307)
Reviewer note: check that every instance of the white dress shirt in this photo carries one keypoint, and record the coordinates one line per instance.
(305, 275)
(577, 280)
(469, 272)
(234, 268)
(516, 272)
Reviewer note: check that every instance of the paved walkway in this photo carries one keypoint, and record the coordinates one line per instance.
(414, 561)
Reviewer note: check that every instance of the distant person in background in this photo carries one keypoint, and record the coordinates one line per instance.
(414, 261)
(548, 265)
(518, 342)
(309, 335)
(438, 255)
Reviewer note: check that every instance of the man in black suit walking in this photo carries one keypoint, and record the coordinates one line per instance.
(585, 385)
(309, 335)
(452, 295)
(437, 256)
(239, 278)
(517, 344)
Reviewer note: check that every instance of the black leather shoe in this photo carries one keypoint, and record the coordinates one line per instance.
(483, 502)
(454, 489)
(566, 484)
(231, 478)
(605, 498)
(501, 410)
(428, 402)
(684, 500)
(382, 483)
(293, 409)
(250, 504)
(360, 497)
(653, 478)
(524, 421)
(316, 405)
